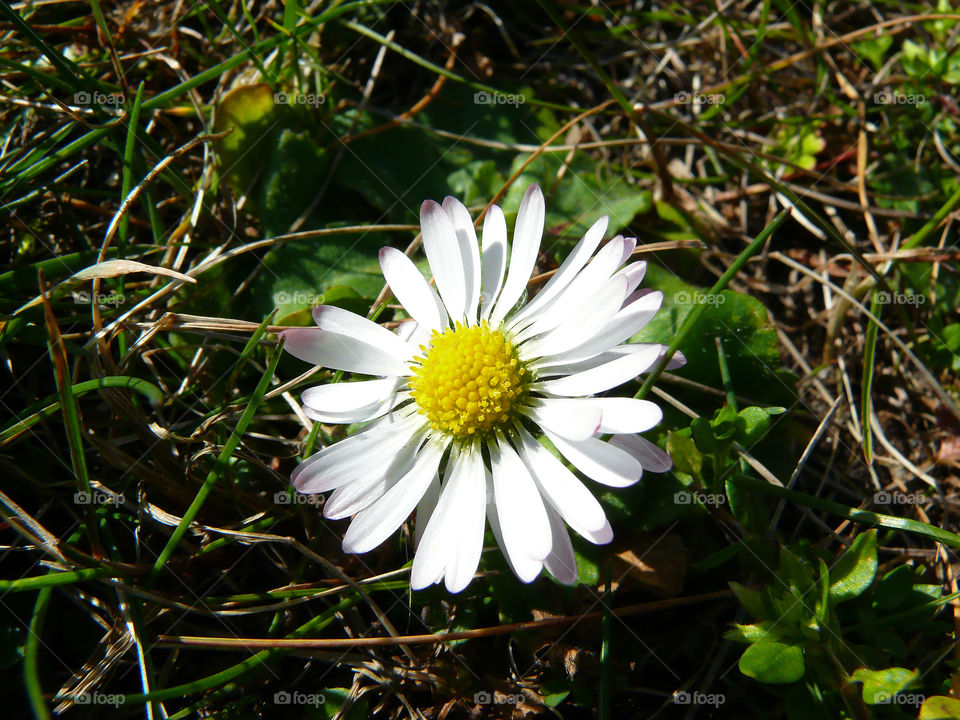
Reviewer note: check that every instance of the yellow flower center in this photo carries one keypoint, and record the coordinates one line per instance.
(468, 381)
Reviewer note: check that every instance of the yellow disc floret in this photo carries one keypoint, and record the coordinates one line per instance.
(468, 381)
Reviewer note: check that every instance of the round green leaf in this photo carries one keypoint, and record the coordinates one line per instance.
(855, 570)
(773, 662)
(879, 686)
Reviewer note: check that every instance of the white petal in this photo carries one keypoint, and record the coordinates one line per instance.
(650, 456)
(523, 255)
(523, 567)
(601, 537)
(552, 366)
(494, 258)
(411, 289)
(343, 322)
(346, 397)
(342, 352)
(629, 245)
(628, 415)
(562, 490)
(580, 291)
(568, 270)
(429, 563)
(325, 469)
(523, 519)
(407, 329)
(370, 482)
(561, 562)
(443, 253)
(376, 523)
(347, 500)
(453, 541)
(677, 361)
(359, 484)
(603, 377)
(600, 461)
(469, 252)
(624, 325)
(361, 414)
(425, 508)
(574, 419)
(634, 273)
(582, 323)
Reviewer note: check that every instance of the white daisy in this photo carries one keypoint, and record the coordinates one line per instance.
(464, 388)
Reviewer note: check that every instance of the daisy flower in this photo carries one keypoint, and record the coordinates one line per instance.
(464, 389)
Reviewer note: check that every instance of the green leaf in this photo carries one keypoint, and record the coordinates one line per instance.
(795, 571)
(874, 49)
(759, 632)
(855, 570)
(702, 432)
(341, 270)
(725, 423)
(940, 707)
(292, 178)
(686, 457)
(755, 421)
(752, 600)
(893, 589)
(553, 699)
(773, 662)
(251, 114)
(740, 321)
(879, 686)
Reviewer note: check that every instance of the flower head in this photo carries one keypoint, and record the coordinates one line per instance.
(464, 387)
